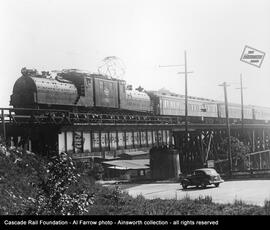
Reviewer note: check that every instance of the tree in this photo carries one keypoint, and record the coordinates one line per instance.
(239, 152)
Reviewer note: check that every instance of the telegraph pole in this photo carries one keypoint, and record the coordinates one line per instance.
(186, 96)
(224, 84)
(186, 92)
(242, 102)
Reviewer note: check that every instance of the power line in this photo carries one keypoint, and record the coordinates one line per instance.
(170, 65)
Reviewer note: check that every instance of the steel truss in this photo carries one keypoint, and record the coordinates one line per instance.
(206, 144)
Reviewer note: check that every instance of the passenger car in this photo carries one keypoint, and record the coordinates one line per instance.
(202, 177)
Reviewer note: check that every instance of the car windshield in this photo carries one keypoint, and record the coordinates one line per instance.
(209, 171)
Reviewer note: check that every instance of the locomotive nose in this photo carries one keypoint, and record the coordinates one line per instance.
(24, 92)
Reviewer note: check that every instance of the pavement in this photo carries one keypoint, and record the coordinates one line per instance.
(249, 191)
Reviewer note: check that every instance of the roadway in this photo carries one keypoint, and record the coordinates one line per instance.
(249, 191)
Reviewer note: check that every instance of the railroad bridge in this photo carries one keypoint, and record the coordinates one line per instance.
(105, 136)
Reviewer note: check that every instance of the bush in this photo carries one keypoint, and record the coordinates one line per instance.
(31, 184)
(19, 173)
(60, 192)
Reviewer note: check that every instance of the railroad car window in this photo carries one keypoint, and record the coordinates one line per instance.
(88, 81)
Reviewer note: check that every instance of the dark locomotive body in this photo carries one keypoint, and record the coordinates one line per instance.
(37, 91)
(79, 91)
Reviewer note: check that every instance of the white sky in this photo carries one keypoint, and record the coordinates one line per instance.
(56, 34)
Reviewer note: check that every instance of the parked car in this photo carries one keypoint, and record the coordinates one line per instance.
(202, 177)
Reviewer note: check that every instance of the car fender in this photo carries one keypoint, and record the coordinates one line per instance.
(185, 180)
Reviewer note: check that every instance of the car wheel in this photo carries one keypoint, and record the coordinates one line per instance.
(217, 184)
(184, 185)
(203, 184)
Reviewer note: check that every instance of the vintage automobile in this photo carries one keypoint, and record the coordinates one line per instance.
(202, 177)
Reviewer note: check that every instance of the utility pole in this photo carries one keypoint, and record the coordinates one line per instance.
(224, 84)
(186, 93)
(186, 97)
(242, 102)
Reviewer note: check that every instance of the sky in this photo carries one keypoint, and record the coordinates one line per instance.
(143, 34)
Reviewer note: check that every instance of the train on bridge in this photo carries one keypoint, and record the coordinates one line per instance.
(80, 91)
(94, 116)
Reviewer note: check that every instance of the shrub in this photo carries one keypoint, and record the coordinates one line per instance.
(32, 184)
(60, 192)
(267, 207)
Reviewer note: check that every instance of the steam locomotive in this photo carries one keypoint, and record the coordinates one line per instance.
(72, 89)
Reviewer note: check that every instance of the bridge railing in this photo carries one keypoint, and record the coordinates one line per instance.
(259, 160)
(256, 161)
(25, 115)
